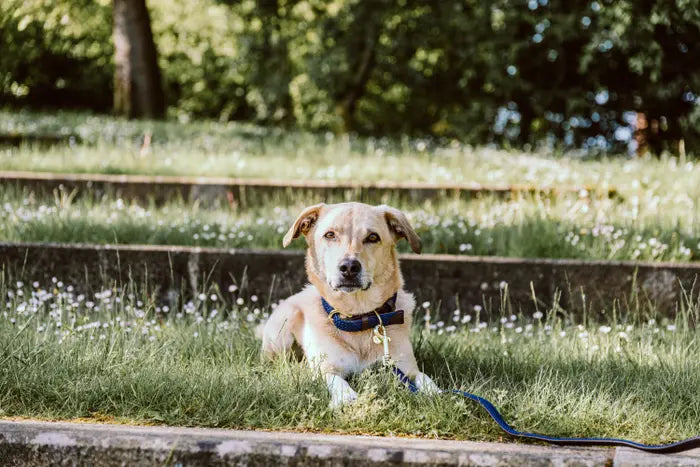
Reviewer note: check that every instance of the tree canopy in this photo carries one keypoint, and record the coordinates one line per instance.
(514, 73)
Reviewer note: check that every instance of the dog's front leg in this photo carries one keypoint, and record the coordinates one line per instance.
(425, 384)
(340, 390)
(406, 362)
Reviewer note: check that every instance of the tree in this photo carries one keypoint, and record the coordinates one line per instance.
(138, 91)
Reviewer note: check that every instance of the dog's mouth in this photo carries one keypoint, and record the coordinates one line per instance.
(349, 287)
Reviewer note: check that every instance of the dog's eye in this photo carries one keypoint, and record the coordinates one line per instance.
(372, 238)
(329, 235)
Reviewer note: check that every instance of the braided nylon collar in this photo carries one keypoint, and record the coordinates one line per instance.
(386, 315)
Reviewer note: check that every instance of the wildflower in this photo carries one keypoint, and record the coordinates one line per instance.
(426, 305)
(239, 301)
(537, 315)
(232, 288)
(604, 329)
(254, 298)
(671, 327)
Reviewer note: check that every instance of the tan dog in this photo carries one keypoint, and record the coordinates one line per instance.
(352, 263)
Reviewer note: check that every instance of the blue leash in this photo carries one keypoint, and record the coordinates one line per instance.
(679, 446)
(387, 315)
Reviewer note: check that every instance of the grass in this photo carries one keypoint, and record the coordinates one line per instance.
(532, 227)
(240, 150)
(119, 355)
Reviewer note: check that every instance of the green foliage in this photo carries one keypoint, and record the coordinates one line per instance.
(56, 54)
(515, 74)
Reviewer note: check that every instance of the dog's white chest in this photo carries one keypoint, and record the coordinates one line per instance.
(345, 353)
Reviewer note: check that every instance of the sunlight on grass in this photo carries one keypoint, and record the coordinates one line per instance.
(118, 352)
(242, 150)
(529, 226)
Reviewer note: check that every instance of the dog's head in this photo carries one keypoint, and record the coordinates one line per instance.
(351, 245)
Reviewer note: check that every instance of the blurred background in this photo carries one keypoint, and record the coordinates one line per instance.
(601, 76)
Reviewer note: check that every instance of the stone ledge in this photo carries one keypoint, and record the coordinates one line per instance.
(451, 281)
(244, 191)
(60, 443)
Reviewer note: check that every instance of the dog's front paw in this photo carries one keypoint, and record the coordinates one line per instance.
(341, 392)
(341, 398)
(426, 385)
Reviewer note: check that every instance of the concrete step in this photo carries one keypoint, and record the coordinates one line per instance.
(451, 281)
(249, 191)
(62, 443)
(58, 443)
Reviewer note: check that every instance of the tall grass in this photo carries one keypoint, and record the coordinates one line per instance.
(531, 227)
(241, 150)
(118, 355)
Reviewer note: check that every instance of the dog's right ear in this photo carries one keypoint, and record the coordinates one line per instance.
(303, 224)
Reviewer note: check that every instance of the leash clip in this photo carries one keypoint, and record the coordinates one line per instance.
(380, 337)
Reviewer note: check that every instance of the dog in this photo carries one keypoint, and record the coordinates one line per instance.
(355, 281)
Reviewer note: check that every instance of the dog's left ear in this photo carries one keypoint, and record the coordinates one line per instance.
(307, 218)
(401, 228)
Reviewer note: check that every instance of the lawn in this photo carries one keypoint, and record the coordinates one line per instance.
(566, 227)
(109, 145)
(117, 355)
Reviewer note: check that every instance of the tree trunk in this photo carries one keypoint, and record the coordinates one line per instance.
(346, 104)
(138, 90)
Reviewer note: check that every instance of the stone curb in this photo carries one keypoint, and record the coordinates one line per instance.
(444, 280)
(61, 443)
(245, 191)
(54, 443)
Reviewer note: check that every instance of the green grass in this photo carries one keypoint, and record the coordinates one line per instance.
(120, 355)
(531, 227)
(239, 150)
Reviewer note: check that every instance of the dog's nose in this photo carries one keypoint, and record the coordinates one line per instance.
(350, 268)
